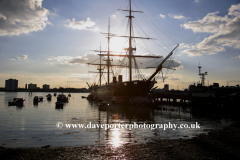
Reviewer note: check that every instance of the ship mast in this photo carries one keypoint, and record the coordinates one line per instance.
(100, 69)
(130, 48)
(108, 60)
(108, 64)
(130, 41)
(108, 52)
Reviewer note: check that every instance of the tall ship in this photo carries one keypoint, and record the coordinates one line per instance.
(116, 87)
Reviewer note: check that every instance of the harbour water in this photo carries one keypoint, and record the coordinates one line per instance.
(34, 125)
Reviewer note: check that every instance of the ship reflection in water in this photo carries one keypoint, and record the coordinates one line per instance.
(33, 126)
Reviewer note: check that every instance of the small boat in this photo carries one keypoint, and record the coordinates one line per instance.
(116, 116)
(49, 96)
(55, 94)
(59, 104)
(62, 98)
(103, 106)
(16, 101)
(40, 98)
(36, 99)
(84, 97)
(90, 97)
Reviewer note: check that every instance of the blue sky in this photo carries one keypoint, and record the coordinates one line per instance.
(49, 41)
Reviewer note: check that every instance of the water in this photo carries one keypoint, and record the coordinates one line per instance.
(35, 125)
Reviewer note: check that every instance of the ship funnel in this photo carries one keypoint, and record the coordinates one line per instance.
(114, 79)
(119, 78)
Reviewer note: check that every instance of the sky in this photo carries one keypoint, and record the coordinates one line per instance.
(50, 41)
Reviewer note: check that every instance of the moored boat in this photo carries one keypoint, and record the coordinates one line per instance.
(36, 99)
(116, 116)
(90, 97)
(59, 103)
(62, 98)
(49, 96)
(40, 98)
(17, 101)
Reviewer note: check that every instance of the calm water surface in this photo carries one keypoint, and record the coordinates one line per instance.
(35, 125)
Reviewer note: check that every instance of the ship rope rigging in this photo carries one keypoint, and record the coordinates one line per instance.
(132, 60)
(168, 35)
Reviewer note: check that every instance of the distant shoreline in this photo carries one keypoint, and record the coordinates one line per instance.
(50, 90)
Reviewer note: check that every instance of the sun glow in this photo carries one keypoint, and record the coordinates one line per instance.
(118, 44)
(116, 140)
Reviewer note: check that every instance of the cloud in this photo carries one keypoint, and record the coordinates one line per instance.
(22, 17)
(196, 1)
(173, 77)
(173, 64)
(74, 60)
(60, 59)
(177, 16)
(210, 23)
(225, 32)
(183, 45)
(19, 58)
(81, 25)
(236, 57)
(234, 10)
(23, 57)
(194, 50)
(161, 15)
(94, 58)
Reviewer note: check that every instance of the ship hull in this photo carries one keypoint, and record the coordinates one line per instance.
(123, 89)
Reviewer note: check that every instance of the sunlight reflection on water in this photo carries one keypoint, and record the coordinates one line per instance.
(34, 125)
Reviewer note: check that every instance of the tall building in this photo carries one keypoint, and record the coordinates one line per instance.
(45, 86)
(26, 86)
(32, 86)
(166, 87)
(11, 85)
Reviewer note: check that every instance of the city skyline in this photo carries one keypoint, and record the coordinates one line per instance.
(29, 85)
(49, 42)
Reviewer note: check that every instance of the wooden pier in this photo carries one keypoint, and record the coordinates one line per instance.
(187, 97)
(170, 98)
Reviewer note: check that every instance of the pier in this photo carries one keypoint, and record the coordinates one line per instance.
(184, 97)
(158, 97)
